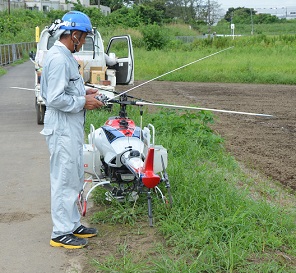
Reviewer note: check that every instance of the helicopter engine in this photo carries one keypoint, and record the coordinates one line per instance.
(117, 139)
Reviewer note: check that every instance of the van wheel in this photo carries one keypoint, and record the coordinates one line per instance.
(40, 109)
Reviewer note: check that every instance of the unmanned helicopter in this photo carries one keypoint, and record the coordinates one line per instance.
(124, 159)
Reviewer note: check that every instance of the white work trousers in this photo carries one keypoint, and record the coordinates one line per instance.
(64, 136)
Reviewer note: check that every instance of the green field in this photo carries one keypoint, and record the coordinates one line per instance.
(251, 60)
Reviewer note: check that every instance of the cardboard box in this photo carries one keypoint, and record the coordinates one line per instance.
(97, 74)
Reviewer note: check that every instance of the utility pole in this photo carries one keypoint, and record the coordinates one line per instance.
(232, 25)
(252, 31)
(8, 2)
(209, 17)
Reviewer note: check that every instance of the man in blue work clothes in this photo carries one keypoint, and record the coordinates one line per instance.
(66, 100)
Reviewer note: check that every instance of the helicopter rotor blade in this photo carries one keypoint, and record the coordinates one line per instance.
(201, 108)
(169, 72)
(23, 88)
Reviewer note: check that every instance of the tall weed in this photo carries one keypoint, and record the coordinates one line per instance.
(269, 61)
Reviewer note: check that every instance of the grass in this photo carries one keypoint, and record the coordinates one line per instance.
(247, 62)
(216, 224)
(245, 29)
(2, 71)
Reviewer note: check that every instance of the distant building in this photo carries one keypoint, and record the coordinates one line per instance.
(105, 10)
(12, 4)
(283, 12)
(47, 5)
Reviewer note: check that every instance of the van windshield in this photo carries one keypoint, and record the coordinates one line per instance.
(88, 46)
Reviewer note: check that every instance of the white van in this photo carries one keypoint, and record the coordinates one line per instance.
(101, 69)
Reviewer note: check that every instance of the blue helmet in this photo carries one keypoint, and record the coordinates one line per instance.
(76, 20)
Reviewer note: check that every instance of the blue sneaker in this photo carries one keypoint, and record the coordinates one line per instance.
(69, 241)
(84, 232)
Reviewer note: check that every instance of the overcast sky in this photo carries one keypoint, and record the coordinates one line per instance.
(225, 4)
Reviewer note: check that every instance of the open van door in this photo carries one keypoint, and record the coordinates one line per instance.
(123, 49)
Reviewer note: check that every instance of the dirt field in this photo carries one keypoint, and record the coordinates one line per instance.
(265, 144)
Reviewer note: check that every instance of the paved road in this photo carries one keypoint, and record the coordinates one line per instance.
(25, 223)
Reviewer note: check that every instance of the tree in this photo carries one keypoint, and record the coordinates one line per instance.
(112, 4)
(213, 12)
(239, 15)
(243, 16)
(194, 10)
